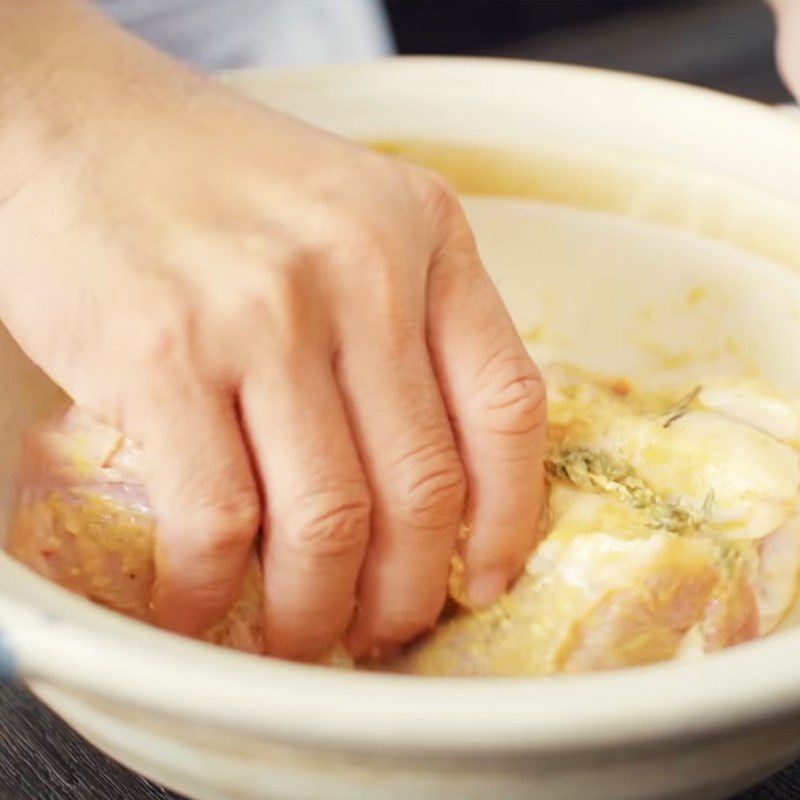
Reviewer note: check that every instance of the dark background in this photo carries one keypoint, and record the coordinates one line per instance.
(722, 44)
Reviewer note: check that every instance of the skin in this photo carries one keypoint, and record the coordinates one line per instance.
(787, 13)
(298, 332)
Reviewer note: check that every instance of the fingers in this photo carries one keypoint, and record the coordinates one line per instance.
(317, 503)
(416, 477)
(788, 18)
(496, 398)
(205, 498)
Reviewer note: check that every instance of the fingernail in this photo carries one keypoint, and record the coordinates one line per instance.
(487, 587)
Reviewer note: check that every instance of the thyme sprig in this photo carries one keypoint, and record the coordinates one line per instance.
(595, 470)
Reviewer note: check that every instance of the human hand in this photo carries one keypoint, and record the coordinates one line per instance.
(298, 331)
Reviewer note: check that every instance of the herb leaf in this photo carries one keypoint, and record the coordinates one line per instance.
(595, 470)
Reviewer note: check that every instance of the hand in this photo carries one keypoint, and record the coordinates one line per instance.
(787, 13)
(285, 321)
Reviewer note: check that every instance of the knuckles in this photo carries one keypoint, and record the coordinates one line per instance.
(438, 198)
(436, 498)
(330, 524)
(376, 256)
(162, 335)
(222, 528)
(511, 398)
(427, 488)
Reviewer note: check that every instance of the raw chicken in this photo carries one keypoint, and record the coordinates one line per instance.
(84, 521)
(673, 531)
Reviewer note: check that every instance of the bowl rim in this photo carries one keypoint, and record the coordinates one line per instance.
(58, 639)
(59, 644)
(289, 86)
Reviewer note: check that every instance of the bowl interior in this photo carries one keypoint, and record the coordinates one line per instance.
(622, 295)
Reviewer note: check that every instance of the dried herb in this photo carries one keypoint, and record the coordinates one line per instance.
(595, 470)
(682, 406)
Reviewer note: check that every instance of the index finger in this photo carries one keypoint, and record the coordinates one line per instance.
(496, 397)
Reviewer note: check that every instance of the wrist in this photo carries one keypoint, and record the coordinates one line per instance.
(39, 42)
(69, 79)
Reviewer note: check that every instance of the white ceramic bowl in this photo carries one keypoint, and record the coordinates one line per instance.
(673, 246)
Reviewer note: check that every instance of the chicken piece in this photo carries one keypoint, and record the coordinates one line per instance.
(603, 603)
(779, 566)
(700, 461)
(84, 521)
(674, 531)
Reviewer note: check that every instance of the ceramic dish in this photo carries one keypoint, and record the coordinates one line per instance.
(603, 204)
